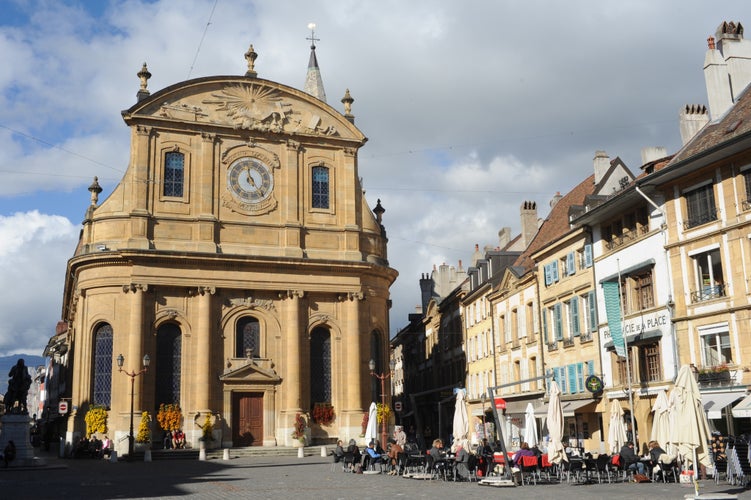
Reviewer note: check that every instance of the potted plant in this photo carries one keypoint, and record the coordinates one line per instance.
(717, 374)
(170, 417)
(96, 420)
(323, 413)
(300, 428)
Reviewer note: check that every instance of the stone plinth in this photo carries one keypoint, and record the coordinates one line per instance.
(17, 428)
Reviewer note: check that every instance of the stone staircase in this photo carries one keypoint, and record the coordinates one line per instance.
(218, 454)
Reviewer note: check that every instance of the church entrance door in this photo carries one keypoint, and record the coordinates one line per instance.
(247, 420)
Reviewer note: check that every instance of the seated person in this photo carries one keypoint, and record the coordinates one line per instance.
(524, 451)
(461, 462)
(352, 448)
(629, 459)
(178, 439)
(9, 453)
(393, 454)
(371, 456)
(167, 440)
(436, 452)
(106, 447)
(338, 452)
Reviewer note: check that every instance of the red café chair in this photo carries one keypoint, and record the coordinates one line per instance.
(546, 467)
(618, 466)
(528, 467)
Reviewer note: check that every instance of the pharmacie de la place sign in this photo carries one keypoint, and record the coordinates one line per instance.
(659, 320)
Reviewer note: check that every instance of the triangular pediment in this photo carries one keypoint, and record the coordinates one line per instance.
(250, 371)
(240, 103)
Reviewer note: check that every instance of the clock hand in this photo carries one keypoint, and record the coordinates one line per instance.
(250, 178)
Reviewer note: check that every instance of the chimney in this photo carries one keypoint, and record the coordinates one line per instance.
(426, 290)
(504, 236)
(601, 164)
(716, 80)
(652, 153)
(737, 54)
(693, 118)
(528, 215)
(555, 199)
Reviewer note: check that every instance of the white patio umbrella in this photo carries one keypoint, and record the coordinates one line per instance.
(461, 420)
(530, 426)
(616, 429)
(661, 422)
(691, 429)
(371, 431)
(556, 452)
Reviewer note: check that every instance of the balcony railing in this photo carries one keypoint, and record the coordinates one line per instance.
(715, 379)
(585, 337)
(553, 346)
(708, 293)
(626, 236)
(569, 342)
(703, 218)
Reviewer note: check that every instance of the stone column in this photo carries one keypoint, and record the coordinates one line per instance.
(134, 356)
(203, 349)
(353, 360)
(293, 397)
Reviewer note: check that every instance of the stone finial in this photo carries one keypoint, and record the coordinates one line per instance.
(144, 75)
(347, 100)
(95, 189)
(251, 57)
(378, 210)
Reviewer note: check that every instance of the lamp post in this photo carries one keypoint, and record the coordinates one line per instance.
(132, 375)
(382, 377)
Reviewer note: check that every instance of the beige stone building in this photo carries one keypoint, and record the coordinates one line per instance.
(239, 253)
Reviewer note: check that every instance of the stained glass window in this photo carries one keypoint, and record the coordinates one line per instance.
(168, 363)
(320, 366)
(174, 174)
(103, 365)
(248, 338)
(320, 187)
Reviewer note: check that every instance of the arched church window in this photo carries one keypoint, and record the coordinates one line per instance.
(320, 187)
(168, 363)
(174, 174)
(320, 365)
(248, 338)
(102, 365)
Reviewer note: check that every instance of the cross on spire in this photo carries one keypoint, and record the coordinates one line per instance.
(312, 37)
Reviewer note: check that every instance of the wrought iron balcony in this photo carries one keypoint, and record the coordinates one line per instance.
(708, 293)
(699, 219)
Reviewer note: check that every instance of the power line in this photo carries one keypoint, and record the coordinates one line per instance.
(202, 37)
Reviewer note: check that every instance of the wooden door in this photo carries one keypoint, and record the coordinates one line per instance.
(247, 421)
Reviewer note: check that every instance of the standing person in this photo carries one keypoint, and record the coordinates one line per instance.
(9, 453)
(629, 459)
(461, 462)
(106, 447)
(400, 436)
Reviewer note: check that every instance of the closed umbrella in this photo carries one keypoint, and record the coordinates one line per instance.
(556, 452)
(461, 420)
(616, 430)
(691, 429)
(371, 431)
(530, 426)
(661, 422)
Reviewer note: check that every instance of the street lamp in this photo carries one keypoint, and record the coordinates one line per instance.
(382, 377)
(132, 375)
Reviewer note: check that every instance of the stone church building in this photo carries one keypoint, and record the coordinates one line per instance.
(239, 253)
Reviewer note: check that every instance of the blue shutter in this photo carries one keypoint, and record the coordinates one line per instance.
(575, 317)
(590, 367)
(545, 325)
(580, 377)
(592, 301)
(588, 255)
(554, 271)
(548, 274)
(562, 379)
(572, 387)
(558, 321)
(571, 264)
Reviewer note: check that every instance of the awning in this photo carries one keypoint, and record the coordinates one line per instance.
(743, 409)
(517, 407)
(635, 339)
(569, 407)
(714, 402)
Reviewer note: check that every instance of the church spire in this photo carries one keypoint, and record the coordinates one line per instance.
(313, 81)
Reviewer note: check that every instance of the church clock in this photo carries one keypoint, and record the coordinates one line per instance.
(250, 180)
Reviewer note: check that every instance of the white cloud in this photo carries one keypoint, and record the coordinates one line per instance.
(34, 249)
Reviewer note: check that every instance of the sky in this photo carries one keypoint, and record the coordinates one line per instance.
(470, 109)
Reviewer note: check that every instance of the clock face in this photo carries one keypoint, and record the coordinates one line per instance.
(249, 180)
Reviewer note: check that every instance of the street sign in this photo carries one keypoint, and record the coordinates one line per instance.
(500, 404)
(397, 406)
(62, 407)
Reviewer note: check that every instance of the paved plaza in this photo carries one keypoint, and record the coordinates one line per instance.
(286, 478)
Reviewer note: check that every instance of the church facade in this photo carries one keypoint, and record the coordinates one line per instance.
(239, 253)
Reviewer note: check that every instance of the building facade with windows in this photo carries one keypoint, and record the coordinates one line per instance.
(239, 253)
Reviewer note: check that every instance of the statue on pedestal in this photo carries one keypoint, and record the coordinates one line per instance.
(18, 388)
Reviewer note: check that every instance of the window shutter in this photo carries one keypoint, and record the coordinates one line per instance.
(558, 321)
(588, 255)
(580, 376)
(590, 367)
(572, 379)
(571, 264)
(545, 325)
(591, 301)
(554, 271)
(548, 274)
(575, 317)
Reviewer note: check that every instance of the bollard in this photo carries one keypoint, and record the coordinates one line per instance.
(300, 452)
(324, 453)
(147, 456)
(202, 454)
(113, 456)
(226, 454)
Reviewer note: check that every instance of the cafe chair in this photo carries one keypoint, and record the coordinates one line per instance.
(575, 467)
(602, 468)
(618, 468)
(348, 463)
(529, 469)
(546, 467)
